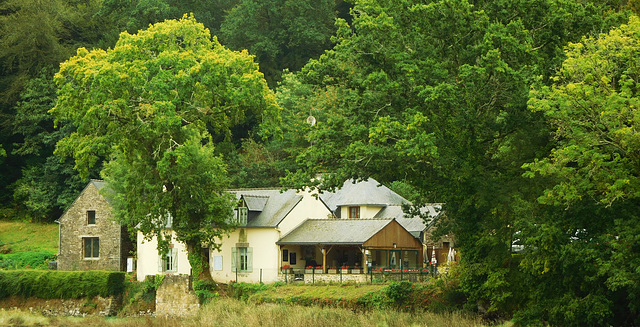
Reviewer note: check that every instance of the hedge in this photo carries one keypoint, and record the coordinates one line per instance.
(60, 284)
(26, 259)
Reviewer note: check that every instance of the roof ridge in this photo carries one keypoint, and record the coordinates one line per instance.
(348, 219)
(254, 189)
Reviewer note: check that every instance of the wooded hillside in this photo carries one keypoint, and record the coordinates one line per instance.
(522, 116)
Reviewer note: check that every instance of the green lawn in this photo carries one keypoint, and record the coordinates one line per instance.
(20, 236)
(344, 291)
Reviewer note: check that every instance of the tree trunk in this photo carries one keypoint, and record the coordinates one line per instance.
(199, 261)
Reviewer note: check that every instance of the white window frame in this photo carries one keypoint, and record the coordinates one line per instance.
(243, 216)
(168, 262)
(242, 259)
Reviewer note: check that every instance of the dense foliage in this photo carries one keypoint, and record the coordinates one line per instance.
(521, 116)
(27, 259)
(153, 105)
(60, 284)
(436, 95)
(36, 36)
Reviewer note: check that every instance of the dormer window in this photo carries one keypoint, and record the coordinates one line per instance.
(243, 215)
(91, 217)
(354, 212)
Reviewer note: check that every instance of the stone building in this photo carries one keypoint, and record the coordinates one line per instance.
(89, 237)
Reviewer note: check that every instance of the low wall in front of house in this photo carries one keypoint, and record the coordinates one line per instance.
(412, 276)
(175, 299)
(95, 306)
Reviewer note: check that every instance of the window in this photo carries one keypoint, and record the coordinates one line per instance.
(242, 255)
(354, 212)
(169, 261)
(243, 214)
(91, 217)
(91, 247)
(168, 222)
(292, 258)
(242, 259)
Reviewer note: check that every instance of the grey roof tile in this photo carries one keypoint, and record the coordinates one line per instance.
(335, 231)
(276, 207)
(255, 202)
(368, 192)
(412, 224)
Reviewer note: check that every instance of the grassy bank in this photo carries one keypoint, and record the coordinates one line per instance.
(225, 312)
(18, 236)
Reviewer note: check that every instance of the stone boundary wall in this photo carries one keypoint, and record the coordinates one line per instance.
(96, 306)
(175, 299)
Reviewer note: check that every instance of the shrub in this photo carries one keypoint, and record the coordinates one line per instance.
(60, 284)
(374, 300)
(398, 292)
(27, 259)
(205, 290)
(243, 291)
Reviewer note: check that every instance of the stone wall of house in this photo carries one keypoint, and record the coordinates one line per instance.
(74, 228)
(174, 298)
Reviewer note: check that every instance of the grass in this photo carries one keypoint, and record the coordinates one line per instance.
(225, 312)
(343, 291)
(18, 236)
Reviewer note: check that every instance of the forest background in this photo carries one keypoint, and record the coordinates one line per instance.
(521, 116)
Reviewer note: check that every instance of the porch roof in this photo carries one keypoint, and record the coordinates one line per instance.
(335, 231)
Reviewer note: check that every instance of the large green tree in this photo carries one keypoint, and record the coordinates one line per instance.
(131, 16)
(154, 104)
(282, 34)
(435, 94)
(593, 108)
(34, 35)
(48, 183)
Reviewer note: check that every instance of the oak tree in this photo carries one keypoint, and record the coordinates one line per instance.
(153, 105)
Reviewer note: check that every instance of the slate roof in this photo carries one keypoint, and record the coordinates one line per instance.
(255, 202)
(98, 183)
(273, 210)
(414, 225)
(335, 231)
(368, 192)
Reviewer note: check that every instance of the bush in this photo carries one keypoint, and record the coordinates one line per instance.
(27, 259)
(60, 284)
(205, 290)
(374, 300)
(243, 291)
(398, 292)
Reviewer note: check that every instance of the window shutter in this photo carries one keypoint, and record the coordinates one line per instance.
(160, 263)
(249, 259)
(234, 256)
(174, 260)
